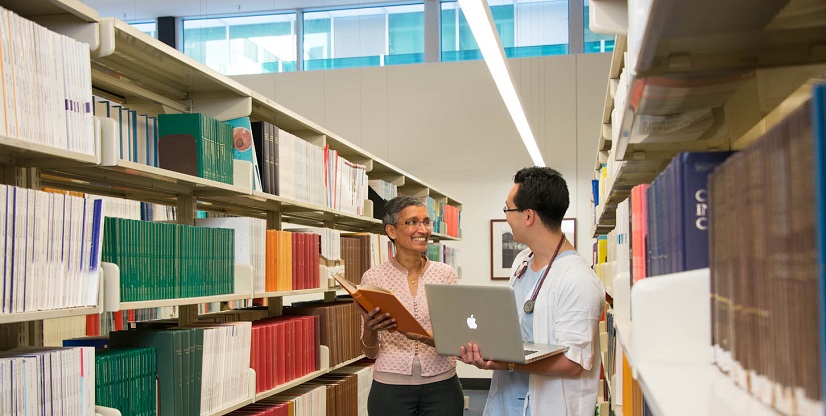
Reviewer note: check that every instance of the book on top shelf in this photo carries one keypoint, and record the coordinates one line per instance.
(370, 297)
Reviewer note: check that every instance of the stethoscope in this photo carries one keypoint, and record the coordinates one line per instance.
(529, 304)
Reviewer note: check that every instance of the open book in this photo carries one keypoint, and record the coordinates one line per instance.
(370, 297)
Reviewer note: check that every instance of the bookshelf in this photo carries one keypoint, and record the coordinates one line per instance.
(130, 68)
(325, 368)
(670, 354)
(740, 69)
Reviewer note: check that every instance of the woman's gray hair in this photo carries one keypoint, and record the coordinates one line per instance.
(396, 205)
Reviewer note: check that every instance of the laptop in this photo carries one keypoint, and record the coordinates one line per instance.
(484, 315)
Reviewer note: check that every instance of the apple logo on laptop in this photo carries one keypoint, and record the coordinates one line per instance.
(471, 322)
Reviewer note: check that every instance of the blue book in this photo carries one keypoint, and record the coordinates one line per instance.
(243, 148)
(691, 172)
(98, 342)
(819, 133)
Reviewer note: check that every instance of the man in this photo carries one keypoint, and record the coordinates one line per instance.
(560, 301)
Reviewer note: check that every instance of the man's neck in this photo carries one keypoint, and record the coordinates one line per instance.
(543, 245)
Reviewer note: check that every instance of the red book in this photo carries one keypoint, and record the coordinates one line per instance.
(281, 353)
(298, 347)
(289, 350)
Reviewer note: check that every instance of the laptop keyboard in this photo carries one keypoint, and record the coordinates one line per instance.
(529, 352)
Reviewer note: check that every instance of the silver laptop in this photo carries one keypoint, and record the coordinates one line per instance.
(484, 315)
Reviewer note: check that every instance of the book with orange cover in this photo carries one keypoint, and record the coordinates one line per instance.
(370, 297)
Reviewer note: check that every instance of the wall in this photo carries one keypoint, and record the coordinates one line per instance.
(446, 124)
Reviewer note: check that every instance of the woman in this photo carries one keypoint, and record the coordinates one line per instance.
(409, 377)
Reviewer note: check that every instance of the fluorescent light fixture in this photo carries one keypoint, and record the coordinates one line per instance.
(481, 24)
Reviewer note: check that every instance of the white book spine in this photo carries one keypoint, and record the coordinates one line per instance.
(10, 99)
(4, 232)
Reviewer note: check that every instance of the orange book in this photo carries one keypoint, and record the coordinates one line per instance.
(370, 297)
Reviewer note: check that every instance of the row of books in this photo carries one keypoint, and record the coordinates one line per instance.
(136, 135)
(751, 218)
(284, 349)
(339, 326)
(445, 254)
(330, 239)
(46, 92)
(104, 323)
(197, 145)
(361, 251)
(346, 183)
(201, 369)
(677, 214)
(662, 227)
(51, 244)
(385, 190)
(292, 261)
(343, 392)
(125, 379)
(47, 381)
(294, 168)
(766, 286)
(165, 261)
(446, 218)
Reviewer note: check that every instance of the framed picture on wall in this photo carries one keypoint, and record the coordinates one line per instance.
(569, 228)
(503, 249)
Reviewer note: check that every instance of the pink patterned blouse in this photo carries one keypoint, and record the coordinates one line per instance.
(396, 352)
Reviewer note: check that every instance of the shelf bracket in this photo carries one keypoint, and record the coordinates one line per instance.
(221, 106)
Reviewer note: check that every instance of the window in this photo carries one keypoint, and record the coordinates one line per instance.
(374, 36)
(150, 28)
(526, 28)
(594, 42)
(243, 45)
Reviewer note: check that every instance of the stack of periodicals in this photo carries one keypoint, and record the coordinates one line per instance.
(765, 288)
(52, 246)
(166, 261)
(40, 381)
(46, 86)
(346, 183)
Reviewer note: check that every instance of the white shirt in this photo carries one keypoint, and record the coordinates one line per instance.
(567, 312)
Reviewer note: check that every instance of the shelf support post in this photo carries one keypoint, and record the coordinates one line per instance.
(187, 314)
(275, 306)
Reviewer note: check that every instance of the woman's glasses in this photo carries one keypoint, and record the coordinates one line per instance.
(414, 223)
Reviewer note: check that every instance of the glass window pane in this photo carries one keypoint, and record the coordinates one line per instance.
(405, 37)
(243, 45)
(372, 36)
(595, 42)
(150, 28)
(525, 27)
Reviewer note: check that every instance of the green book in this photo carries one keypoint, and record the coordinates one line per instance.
(195, 144)
(168, 356)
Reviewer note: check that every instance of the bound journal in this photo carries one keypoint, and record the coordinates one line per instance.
(370, 297)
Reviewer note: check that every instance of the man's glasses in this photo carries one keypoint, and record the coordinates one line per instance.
(507, 210)
(414, 223)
